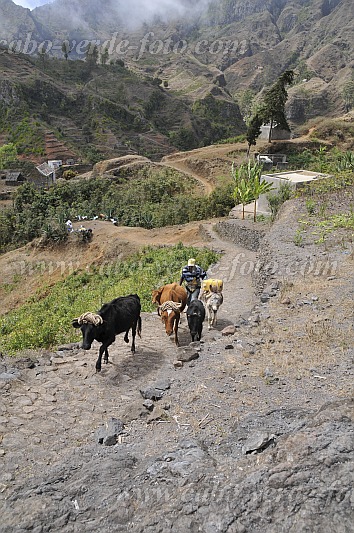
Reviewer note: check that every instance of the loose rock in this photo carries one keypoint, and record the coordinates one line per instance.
(186, 354)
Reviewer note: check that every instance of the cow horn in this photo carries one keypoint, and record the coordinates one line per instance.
(90, 318)
(173, 306)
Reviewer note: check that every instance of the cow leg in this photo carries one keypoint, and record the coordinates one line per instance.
(126, 338)
(200, 333)
(176, 331)
(99, 360)
(133, 335)
(103, 350)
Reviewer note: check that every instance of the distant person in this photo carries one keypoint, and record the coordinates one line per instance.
(86, 234)
(192, 276)
(69, 226)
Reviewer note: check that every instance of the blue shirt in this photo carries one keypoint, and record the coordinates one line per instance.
(193, 277)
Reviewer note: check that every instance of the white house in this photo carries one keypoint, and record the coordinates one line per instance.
(295, 178)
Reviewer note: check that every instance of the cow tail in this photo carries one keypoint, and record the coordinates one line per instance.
(139, 326)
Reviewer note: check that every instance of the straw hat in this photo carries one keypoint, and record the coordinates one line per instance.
(191, 262)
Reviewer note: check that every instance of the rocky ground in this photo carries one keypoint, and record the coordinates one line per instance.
(254, 433)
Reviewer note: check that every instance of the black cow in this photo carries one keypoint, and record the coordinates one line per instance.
(195, 317)
(113, 318)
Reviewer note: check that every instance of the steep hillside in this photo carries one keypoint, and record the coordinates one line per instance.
(102, 111)
(208, 55)
(251, 43)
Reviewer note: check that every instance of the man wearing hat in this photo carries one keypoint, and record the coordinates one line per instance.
(192, 275)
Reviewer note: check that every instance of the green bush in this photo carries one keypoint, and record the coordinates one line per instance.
(54, 232)
(152, 199)
(232, 140)
(277, 198)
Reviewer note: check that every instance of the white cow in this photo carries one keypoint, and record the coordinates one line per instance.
(212, 301)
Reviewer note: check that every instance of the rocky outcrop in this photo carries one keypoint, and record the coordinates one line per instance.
(8, 93)
(310, 99)
(112, 165)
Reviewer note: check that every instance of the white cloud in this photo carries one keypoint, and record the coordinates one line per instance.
(30, 4)
(135, 11)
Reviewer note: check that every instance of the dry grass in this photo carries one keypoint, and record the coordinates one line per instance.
(314, 328)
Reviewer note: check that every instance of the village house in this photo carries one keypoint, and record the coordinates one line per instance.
(14, 178)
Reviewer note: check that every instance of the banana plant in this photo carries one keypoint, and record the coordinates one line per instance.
(260, 187)
(249, 186)
(243, 194)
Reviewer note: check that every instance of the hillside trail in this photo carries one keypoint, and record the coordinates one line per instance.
(182, 167)
(57, 404)
(204, 164)
(234, 268)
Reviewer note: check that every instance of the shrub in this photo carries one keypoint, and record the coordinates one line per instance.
(277, 198)
(69, 174)
(54, 232)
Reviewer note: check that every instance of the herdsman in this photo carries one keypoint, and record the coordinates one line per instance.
(192, 275)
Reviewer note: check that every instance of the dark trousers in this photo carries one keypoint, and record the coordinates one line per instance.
(192, 295)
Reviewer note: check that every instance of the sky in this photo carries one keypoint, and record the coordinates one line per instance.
(132, 12)
(149, 5)
(30, 4)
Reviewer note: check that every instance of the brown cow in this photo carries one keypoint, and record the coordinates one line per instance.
(171, 300)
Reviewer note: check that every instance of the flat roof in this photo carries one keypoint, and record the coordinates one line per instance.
(297, 176)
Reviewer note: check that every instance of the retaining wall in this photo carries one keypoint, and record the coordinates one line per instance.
(245, 233)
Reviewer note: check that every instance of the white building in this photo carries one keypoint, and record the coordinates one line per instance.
(55, 163)
(295, 178)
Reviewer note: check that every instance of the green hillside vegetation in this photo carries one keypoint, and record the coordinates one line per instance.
(26, 134)
(98, 110)
(324, 159)
(151, 199)
(45, 320)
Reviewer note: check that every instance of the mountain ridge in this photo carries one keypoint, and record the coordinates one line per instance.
(211, 60)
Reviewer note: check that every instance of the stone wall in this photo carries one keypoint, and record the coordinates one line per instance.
(245, 233)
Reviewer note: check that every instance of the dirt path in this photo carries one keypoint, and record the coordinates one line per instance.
(58, 394)
(239, 295)
(206, 164)
(181, 166)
